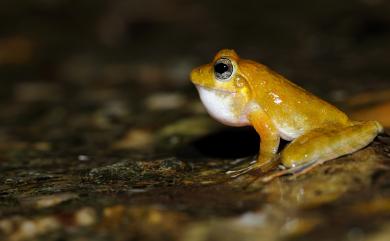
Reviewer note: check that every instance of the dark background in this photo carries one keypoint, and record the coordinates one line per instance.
(325, 45)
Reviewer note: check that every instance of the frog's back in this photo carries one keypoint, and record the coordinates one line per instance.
(293, 109)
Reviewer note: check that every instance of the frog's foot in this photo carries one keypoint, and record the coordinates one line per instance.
(255, 166)
(241, 169)
(297, 171)
(321, 145)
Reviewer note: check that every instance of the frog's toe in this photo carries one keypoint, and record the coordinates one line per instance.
(296, 171)
(242, 166)
(255, 167)
(240, 171)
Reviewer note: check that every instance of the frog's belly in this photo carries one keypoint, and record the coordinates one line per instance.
(221, 106)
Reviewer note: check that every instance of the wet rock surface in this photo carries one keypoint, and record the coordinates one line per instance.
(102, 137)
(182, 199)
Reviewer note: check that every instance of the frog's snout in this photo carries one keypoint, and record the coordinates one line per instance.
(194, 73)
(198, 75)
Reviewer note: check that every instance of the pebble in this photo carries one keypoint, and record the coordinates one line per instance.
(18, 228)
(47, 201)
(165, 101)
(86, 217)
(135, 139)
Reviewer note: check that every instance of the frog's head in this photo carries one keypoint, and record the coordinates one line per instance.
(223, 87)
(223, 73)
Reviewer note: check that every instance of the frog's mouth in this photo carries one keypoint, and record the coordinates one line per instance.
(215, 91)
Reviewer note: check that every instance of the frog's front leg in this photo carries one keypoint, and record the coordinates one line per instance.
(269, 143)
(323, 144)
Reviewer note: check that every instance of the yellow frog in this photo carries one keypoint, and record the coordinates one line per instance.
(240, 92)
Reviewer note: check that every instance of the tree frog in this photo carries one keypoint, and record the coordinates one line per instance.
(240, 92)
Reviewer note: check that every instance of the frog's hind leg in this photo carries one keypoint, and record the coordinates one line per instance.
(298, 170)
(321, 145)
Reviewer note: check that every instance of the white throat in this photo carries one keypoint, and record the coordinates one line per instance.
(222, 106)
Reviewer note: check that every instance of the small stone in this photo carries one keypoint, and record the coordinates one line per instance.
(83, 158)
(25, 229)
(114, 212)
(42, 146)
(165, 101)
(32, 91)
(15, 50)
(48, 200)
(6, 226)
(135, 139)
(195, 126)
(86, 217)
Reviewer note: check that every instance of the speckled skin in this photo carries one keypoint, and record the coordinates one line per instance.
(277, 108)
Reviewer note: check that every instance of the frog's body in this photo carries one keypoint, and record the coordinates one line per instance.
(241, 92)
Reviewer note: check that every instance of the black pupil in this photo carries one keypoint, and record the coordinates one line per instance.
(221, 68)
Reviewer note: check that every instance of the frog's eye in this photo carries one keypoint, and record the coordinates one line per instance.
(223, 69)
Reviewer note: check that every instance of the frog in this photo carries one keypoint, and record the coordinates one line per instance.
(241, 92)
